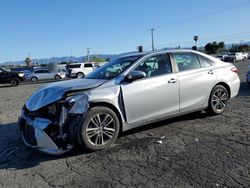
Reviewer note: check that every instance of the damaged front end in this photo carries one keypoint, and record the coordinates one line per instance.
(53, 128)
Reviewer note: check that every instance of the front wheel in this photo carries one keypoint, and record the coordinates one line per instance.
(34, 79)
(100, 129)
(14, 82)
(218, 100)
(57, 77)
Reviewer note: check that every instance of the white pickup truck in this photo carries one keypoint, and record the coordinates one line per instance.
(79, 70)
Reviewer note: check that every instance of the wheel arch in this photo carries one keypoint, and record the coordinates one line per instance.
(112, 107)
(226, 86)
(15, 78)
(34, 77)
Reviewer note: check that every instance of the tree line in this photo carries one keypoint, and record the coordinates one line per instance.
(214, 48)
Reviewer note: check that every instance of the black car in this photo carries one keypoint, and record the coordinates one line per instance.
(11, 77)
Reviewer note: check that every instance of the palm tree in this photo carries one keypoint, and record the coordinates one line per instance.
(28, 62)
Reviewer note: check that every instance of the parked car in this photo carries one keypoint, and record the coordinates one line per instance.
(248, 74)
(11, 77)
(245, 55)
(221, 57)
(234, 57)
(45, 74)
(79, 70)
(147, 87)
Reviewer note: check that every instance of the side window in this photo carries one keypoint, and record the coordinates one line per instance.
(38, 71)
(205, 62)
(186, 61)
(75, 66)
(156, 65)
(87, 65)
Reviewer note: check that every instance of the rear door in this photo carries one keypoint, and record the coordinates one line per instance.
(196, 77)
(155, 96)
(88, 67)
(42, 74)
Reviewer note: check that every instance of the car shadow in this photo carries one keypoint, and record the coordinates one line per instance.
(191, 116)
(16, 155)
(34, 83)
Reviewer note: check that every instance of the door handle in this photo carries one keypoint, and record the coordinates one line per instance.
(172, 80)
(210, 72)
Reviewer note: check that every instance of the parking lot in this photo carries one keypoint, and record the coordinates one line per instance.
(194, 150)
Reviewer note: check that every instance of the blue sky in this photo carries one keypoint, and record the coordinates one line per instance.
(47, 28)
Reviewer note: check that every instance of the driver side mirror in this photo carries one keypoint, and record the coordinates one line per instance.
(135, 75)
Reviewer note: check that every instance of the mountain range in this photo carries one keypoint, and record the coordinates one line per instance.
(83, 58)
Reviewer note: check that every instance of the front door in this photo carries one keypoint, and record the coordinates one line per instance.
(155, 96)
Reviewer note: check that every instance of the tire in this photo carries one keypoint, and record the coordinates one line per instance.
(218, 100)
(94, 136)
(14, 82)
(34, 79)
(80, 75)
(57, 77)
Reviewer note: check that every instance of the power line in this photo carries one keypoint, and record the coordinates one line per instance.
(218, 11)
(221, 37)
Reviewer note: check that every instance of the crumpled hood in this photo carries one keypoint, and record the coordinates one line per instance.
(54, 91)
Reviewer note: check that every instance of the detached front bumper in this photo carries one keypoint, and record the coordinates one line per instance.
(34, 135)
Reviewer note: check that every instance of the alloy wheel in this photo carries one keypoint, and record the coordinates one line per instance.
(100, 129)
(219, 100)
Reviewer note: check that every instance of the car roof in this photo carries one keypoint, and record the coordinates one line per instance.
(160, 51)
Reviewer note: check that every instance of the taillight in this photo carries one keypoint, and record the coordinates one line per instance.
(234, 69)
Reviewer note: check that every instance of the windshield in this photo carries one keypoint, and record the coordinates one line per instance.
(113, 69)
(5, 69)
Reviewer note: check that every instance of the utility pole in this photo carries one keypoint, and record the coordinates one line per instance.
(152, 38)
(71, 56)
(88, 54)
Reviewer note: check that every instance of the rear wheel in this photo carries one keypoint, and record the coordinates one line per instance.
(218, 100)
(14, 82)
(100, 129)
(34, 79)
(57, 77)
(79, 75)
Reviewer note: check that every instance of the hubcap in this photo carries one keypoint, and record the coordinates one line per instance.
(219, 100)
(79, 75)
(100, 129)
(14, 82)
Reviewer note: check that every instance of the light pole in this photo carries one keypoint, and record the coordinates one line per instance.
(88, 54)
(152, 39)
(196, 39)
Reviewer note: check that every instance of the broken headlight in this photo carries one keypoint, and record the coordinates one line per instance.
(78, 103)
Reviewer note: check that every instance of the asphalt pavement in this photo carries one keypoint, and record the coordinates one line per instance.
(195, 150)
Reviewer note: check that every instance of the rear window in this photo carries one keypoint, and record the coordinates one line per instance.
(42, 71)
(75, 66)
(186, 61)
(205, 62)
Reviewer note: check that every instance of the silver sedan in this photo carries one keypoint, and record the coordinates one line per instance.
(128, 92)
(45, 74)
